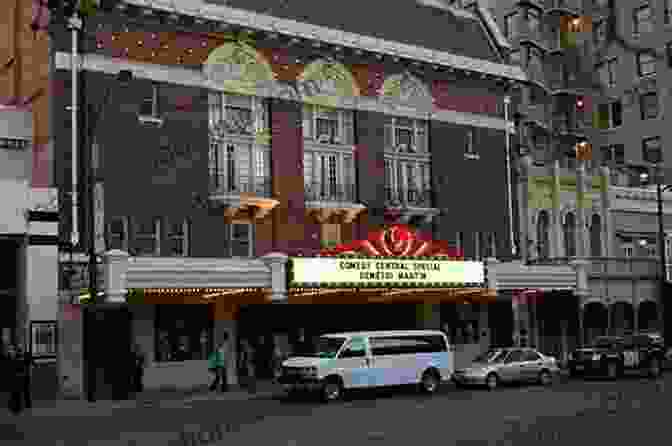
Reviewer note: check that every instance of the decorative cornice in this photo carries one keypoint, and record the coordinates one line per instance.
(267, 23)
(638, 194)
(195, 78)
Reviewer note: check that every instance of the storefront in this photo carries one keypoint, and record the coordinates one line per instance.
(394, 279)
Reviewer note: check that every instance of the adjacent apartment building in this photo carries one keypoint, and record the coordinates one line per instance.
(560, 43)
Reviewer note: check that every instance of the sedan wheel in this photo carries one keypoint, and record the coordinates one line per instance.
(332, 391)
(429, 382)
(545, 378)
(492, 381)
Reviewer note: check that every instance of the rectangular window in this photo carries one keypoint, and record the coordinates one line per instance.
(184, 332)
(668, 54)
(610, 115)
(511, 25)
(177, 238)
(146, 236)
(642, 20)
(646, 64)
(240, 238)
(150, 103)
(667, 12)
(326, 124)
(600, 32)
(649, 105)
(237, 116)
(43, 342)
(652, 150)
(616, 114)
(407, 345)
(117, 233)
(470, 145)
(533, 18)
(613, 154)
(628, 250)
(607, 72)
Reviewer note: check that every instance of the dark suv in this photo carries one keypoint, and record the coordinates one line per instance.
(613, 355)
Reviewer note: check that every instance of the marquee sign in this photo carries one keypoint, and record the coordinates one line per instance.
(394, 257)
(376, 272)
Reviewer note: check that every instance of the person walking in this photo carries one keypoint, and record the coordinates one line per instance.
(217, 364)
(247, 366)
(18, 373)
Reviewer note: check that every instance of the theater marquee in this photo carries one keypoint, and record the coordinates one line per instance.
(384, 272)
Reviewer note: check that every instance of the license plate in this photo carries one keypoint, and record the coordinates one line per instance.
(579, 367)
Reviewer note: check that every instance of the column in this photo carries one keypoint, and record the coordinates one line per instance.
(582, 290)
(277, 262)
(524, 208)
(556, 224)
(115, 268)
(607, 225)
(582, 249)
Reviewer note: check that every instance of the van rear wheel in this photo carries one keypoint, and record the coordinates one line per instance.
(332, 390)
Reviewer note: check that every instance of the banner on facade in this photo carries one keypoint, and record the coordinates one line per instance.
(311, 272)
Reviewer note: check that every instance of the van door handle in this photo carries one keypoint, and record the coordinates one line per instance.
(369, 362)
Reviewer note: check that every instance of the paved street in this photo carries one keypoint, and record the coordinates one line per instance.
(571, 412)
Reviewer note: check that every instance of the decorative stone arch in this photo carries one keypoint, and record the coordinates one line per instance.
(595, 314)
(595, 225)
(237, 67)
(568, 221)
(406, 88)
(325, 82)
(542, 235)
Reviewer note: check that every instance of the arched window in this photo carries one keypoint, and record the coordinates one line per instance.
(595, 236)
(542, 235)
(569, 230)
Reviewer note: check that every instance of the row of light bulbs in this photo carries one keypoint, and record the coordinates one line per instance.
(200, 290)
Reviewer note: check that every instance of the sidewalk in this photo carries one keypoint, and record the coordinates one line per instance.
(152, 398)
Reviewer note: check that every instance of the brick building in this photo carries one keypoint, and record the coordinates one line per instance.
(246, 135)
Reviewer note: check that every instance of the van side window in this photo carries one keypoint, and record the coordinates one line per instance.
(356, 349)
(404, 345)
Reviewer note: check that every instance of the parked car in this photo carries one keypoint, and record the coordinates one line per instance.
(505, 365)
(352, 360)
(614, 355)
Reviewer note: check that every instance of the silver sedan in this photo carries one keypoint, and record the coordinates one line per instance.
(501, 365)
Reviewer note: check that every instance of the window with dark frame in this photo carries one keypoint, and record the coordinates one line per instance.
(607, 72)
(117, 233)
(613, 154)
(642, 20)
(600, 32)
(652, 150)
(240, 240)
(649, 105)
(511, 25)
(145, 236)
(646, 64)
(532, 15)
(43, 342)
(667, 13)
(668, 52)
(177, 238)
(183, 332)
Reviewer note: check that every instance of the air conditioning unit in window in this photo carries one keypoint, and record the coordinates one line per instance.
(324, 138)
(336, 139)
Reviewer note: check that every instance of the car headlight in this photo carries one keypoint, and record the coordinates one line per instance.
(596, 357)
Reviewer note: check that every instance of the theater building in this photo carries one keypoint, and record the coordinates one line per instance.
(256, 140)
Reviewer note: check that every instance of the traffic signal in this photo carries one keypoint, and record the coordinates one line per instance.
(584, 151)
(580, 104)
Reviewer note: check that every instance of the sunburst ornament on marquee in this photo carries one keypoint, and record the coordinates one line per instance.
(395, 241)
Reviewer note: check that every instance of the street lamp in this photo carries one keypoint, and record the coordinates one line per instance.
(660, 188)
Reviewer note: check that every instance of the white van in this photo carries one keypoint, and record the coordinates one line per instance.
(351, 360)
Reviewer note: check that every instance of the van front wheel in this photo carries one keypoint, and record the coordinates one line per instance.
(429, 382)
(332, 390)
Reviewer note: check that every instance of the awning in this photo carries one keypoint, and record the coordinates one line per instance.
(390, 295)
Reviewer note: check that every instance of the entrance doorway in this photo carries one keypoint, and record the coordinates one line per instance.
(107, 349)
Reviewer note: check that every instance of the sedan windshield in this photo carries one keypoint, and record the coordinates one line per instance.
(491, 356)
(326, 347)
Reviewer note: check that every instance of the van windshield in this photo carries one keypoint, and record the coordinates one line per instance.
(326, 347)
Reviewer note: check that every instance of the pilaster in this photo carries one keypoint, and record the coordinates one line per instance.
(116, 266)
(607, 221)
(277, 263)
(581, 240)
(524, 208)
(556, 224)
(581, 268)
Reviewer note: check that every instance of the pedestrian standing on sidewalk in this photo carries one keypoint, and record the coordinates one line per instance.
(217, 364)
(139, 361)
(247, 366)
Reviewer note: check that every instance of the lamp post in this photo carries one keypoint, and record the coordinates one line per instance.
(660, 188)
